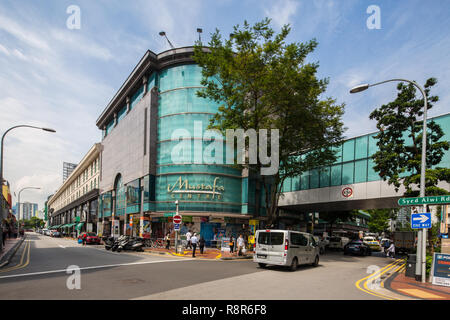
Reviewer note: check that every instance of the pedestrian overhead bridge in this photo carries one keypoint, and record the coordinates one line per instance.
(350, 182)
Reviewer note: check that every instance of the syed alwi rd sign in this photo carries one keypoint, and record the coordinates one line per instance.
(424, 200)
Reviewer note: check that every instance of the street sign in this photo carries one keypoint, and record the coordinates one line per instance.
(176, 227)
(169, 214)
(424, 200)
(177, 219)
(421, 220)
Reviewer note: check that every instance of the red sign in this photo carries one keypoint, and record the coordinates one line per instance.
(347, 192)
(177, 219)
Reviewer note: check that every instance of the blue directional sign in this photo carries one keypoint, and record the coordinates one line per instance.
(176, 226)
(421, 220)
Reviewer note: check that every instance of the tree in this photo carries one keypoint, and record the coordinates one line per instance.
(261, 82)
(379, 221)
(398, 159)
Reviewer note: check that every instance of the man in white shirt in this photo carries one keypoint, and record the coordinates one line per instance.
(194, 241)
(188, 239)
(240, 243)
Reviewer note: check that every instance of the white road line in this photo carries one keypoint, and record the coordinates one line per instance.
(61, 246)
(93, 267)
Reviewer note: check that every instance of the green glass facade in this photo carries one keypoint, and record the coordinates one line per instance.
(353, 163)
(194, 185)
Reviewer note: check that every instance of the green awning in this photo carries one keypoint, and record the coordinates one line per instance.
(69, 225)
(79, 226)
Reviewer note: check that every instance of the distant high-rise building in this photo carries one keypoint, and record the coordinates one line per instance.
(28, 210)
(68, 169)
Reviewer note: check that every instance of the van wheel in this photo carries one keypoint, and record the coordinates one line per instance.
(316, 261)
(262, 265)
(294, 264)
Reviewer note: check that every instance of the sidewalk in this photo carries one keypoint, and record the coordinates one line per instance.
(10, 248)
(209, 253)
(407, 286)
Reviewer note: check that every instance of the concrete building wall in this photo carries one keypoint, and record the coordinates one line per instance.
(123, 147)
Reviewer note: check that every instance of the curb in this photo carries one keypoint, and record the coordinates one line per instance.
(237, 258)
(10, 254)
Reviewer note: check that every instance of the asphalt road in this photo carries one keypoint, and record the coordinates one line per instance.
(39, 271)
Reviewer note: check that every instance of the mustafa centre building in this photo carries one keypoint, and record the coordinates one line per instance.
(141, 174)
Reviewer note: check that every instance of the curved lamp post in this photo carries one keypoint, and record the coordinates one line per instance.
(3, 137)
(18, 208)
(422, 237)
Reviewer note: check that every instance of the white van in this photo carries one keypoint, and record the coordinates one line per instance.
(285, 248)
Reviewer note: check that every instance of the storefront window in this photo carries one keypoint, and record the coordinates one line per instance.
(120, 197)
(133, 196)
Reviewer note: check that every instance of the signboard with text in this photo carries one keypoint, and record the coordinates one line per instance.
(421, 220)
(441, 269)
(424, 200)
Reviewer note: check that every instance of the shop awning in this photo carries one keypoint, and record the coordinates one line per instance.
(79, 226)
(68, 225)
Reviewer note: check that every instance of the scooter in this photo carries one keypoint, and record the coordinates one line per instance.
(109, 242)
(129, 243)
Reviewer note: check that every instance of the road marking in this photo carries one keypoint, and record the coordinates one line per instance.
(93, 267)
(374, 276)
(21, 264)
(61, 246)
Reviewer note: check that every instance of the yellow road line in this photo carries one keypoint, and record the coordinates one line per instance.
(21, 264)
(375, 275)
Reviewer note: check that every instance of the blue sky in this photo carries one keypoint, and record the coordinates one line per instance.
(56, 77)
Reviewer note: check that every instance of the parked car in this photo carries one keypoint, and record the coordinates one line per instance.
(55, 233)
(91, 237)
(338, 243)
(285, 248)
(372, 242)
(357, 247)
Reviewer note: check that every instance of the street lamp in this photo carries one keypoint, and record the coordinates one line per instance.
(163, 34)
(422, 236)
(3, 137)
(18, 208)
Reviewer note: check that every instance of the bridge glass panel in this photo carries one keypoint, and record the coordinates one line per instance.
(361, 171)
(325, 177)
(348, 152)
(372, 144)
(314, 180)
(361, 147)
(347, 173)
(372, 175)
(336, 175)
(304, 181)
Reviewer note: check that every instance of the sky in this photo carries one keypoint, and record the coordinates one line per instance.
(63, 78)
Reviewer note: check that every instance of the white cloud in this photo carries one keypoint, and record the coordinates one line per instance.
(281, 12)
(4, 50)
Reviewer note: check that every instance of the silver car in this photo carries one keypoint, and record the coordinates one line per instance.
(285, 248)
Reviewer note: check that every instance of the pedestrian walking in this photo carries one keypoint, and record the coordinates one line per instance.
(188, 239)
(386, 246)
(201, 244)
(84, 238)
(194, 241)
(240, 243)
(167, 238)
(391, 250)
(231, 244)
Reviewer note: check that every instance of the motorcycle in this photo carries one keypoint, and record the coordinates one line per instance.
(109, 242)
(130, 243)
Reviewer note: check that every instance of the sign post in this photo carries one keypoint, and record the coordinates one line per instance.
(176, 226)
(422, 219)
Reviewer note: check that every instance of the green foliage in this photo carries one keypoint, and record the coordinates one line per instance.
(262, 82)
(399, 159)
(379, 221)
(34, 222)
